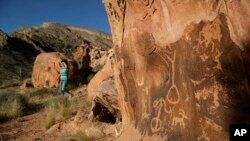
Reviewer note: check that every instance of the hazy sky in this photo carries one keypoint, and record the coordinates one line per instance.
(87, 13)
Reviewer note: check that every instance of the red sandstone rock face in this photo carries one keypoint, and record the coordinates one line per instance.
(181, 67)
(95, 83)
(46, 69)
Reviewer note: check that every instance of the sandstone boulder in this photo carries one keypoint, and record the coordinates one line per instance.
(181, 65)
(102, 91)
(46, 69)
(104, 74)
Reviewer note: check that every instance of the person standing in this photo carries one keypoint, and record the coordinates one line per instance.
(63, 77)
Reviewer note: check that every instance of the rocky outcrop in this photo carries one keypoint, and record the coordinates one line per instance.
(18, 50)
(103, 93)
(180, 65)
(82, 56)
(3, 39)
(46, 69)
(61, 38)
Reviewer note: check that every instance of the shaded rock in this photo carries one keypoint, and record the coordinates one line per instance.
(3, 39)
(180, 65)
(104, 94)
(105, 106)
(81, 55)
(100, 57)
(46, 69)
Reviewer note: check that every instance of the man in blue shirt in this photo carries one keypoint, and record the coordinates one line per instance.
(63, 76)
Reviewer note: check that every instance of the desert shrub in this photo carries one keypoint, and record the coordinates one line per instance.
(48, 121)
(41, 95)
(12, 104)
(9, 83)
(56, 108)
(60, 105)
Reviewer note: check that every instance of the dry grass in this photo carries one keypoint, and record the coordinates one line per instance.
(56, 108)
(81, 137)
(12, 104)
(41, 95)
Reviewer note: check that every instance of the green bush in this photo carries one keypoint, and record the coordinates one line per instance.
(12, 104)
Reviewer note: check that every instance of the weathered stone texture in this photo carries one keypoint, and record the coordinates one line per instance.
(181, 67)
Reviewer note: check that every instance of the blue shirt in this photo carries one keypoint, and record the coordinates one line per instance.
(64, 74)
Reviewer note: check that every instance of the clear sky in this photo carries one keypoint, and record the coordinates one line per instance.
(87, 13)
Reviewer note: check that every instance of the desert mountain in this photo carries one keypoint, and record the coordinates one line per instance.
(19, 48)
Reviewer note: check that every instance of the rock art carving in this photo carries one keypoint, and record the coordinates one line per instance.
(156, 123)
(173, 95)
(180, 120)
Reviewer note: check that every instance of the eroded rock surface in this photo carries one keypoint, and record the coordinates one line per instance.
(181, 67)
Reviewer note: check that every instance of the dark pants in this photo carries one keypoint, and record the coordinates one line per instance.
(62, 86)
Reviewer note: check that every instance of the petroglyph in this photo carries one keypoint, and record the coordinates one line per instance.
(156, 123)
(210, 92)
(197, 82)
(118, 129)
(208, 47)
(180, 120)
(140, 82)
(173, 95)
(203, 137)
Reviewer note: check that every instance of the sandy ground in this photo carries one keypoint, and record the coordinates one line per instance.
(29, 127)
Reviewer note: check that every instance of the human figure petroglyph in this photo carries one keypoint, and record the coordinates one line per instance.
(180, 120)
(173, 95)
(156, 123)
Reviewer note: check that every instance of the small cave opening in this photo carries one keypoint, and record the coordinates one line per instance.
(102, 113)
